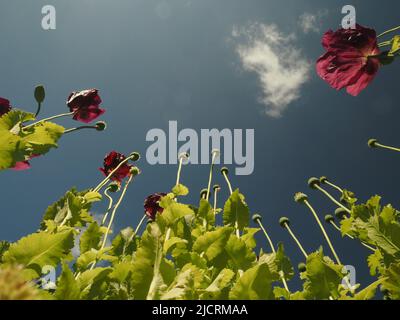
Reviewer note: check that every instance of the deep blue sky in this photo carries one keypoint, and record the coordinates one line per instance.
(155, 61)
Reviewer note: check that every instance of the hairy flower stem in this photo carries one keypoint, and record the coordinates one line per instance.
(332, 198)
(178, 175)
(214, 156)
(38, 109)
(323, 231)
(384, 44)
(388, 31)
(136, 230)
(334, 186)
(49, 119)
(104, 182)
(227, 182)
(79, 128)
(387, 147)
(110, 204)
(287, 227)
(351, 237)
(215, 200)
(115, 210)
(273, 251)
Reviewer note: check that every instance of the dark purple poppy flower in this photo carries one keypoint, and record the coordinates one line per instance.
(111, 161)
(151, 205)
(86, 105)
(4, 106)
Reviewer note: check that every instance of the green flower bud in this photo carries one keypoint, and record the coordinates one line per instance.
(284, 221)
(39, 94)
(323, 179)
(329, 218)
(135, 156)
(313, 183)
(101, 126)
(217, 187)
(113, 187)
(135, 171)
(225, 170)
(340, 213)
(183, 156)
(373, 143)
(257, 218)
(302, 267)
(203, 193)
(300, 197)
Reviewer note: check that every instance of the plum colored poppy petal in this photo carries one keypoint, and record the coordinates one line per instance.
(4, 106)
(86, 105)
(349, 61)
(21, 166)
(111, 162)
(152, 206)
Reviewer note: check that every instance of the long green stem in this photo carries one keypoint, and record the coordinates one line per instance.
(332, 198)
(384, 44)
(137, 229)
(323, 231)
(104, 182)
(296, 240)
(49, 119)
(114, 211)
(282, 276)
(110, 204)
(387, 147)
(334, 186)
(388, 31)
(215, 200)
(228, 182)
(178, 175)
(214, 156)
(79, 128)
(38, 109)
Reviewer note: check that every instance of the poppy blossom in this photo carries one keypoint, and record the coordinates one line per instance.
(4, 106)
(24, 165)
(85, 105)
(351, 60)
(152, 206)
(111, 162)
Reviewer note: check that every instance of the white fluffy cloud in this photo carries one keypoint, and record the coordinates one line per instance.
(281, 67)
(311, 22)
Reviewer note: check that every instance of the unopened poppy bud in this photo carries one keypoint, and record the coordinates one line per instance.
(284, 221)
(135, 171)
(216, 187)
(113, 187)
(329, 218)
(257, 218)
(40, 94)
(373, 143)
(302, 267)
(313, 183)
(183, 156)
(300, 197)
(341, 213)
(101, 126)
(323, 179)
(203, 193)
(225, 170)
(135, 156)
(216, 153)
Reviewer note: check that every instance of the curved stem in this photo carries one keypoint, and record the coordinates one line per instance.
(215, 201)
(296, 240)
(388, 31)
(110, 204)
(384, 44)
(334, 186)
(48, 119)
(104, 182)
(210, 176)
(388, 147)
(79, 128)
(332, 198)
(38, 109)
(137, 229)
(114, 211)
(228, 182)
(323, 231)
(178, 175)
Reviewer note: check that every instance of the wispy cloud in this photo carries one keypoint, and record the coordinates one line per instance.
(311, 22)
(281, 67)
